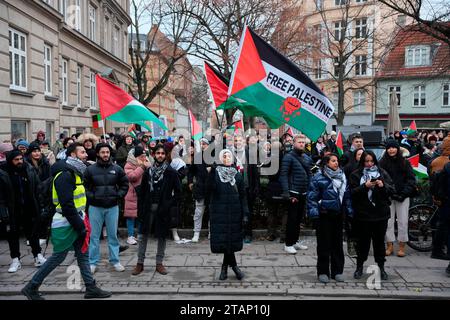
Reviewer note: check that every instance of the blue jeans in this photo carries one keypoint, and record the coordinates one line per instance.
(57, 258)
(109, 216)
(130, 226)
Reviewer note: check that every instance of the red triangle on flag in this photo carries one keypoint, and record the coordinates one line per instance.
(217, 84)
(340, 144)
(414, 160)
(290, 132)
(111, 98)
(195, 127)
(248, 69)
(413, 126)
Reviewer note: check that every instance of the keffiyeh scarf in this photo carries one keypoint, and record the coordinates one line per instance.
(368, 174)
(338, 179)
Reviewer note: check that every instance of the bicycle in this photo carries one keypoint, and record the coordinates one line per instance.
(421, 226)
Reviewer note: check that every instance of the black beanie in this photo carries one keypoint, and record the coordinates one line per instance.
(138, 150)
(12, 154)
(33, 146)
(392, 144)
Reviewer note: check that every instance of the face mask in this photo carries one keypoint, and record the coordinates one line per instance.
(288, 147)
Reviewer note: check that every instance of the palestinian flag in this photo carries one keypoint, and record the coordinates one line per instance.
(340, 144)
(419, 169)
(130, 131)
(218, 86)
(117, 105)
(412, 128)
(97, 121)
(273, 84)
(196, 132)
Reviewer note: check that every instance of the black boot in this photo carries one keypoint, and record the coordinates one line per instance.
(358, 273)
(94, 292)
(238, 272)
(31, 292)
(224, 272)
(383, 274)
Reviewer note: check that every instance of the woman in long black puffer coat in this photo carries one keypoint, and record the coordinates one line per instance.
(228, 212)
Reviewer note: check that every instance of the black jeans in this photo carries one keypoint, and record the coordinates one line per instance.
(30, 228)
(329, 245)
(295, 212)
(371, 231)
(441, 234)
(229, 259)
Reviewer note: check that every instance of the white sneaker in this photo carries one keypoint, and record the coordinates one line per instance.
(39, 260)
(14, 266)
(196, 237)
(93, 268)
(175, 235)
(290, 249)
(131, 240)
(42, 242)
(118, 267)
(300, 246)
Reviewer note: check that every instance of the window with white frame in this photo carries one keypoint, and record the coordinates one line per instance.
(339, 30)
(340, 2)
(78, 15)
(318, 69)
(397, 90)
(93, 91)
(63, 8)
(79, 77)
(319, 4)
(17, 60)
(360, 1)
(445, 95)
(360, 65)
(19, 129)
(359, 100)
(107, 33)
(419, 96)
(417, 56)
(361, 28)
(92, 22)
(336, 66)
(115, 46)
(47, 70)
(65, 81)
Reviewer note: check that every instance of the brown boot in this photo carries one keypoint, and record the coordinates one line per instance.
(401, 250)
(138, 269)
(161, 269)
(389, 249)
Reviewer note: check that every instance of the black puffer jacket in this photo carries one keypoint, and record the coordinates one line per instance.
(363, 209)
(402, 176)
(295, 173)
(105, 184)
(228, 206)
(6, 192)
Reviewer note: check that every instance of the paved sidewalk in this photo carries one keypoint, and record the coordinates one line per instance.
(194, 270)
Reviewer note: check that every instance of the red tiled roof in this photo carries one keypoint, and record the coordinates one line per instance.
(394, 63)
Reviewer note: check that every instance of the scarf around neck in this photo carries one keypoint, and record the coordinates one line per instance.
(227, 174)
(369, 173)
(338, 180)
(77, 165)
(157, 173)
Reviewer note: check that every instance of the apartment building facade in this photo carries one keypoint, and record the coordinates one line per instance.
(50, 52)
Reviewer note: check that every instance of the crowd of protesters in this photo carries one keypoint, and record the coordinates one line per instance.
(94, 180)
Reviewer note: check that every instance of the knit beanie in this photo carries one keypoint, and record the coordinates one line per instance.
(391, 143)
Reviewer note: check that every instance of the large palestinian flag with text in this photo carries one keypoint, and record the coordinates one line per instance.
(277, 87)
